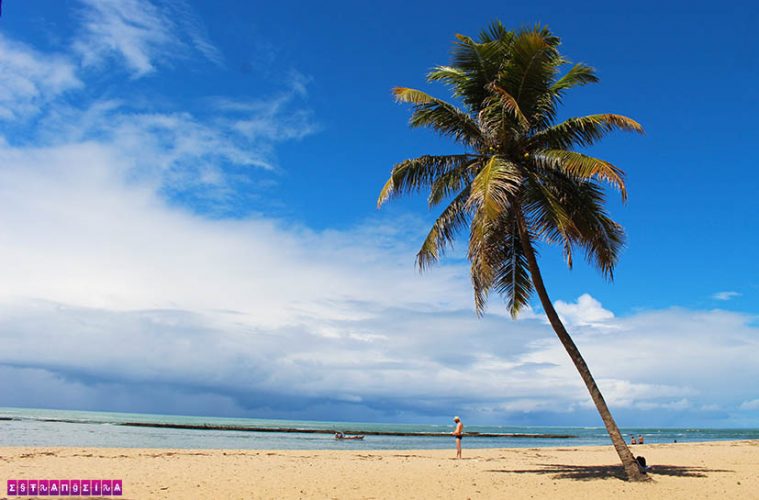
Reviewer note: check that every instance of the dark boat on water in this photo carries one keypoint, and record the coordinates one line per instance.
(343, 437)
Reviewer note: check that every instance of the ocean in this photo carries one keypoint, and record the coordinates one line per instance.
(34, 427)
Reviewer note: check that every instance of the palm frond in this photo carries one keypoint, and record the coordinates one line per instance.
(450, 222)
(512, 276)
(490, 199)
(582, 131)
(453, 76)
(579, 74)
(597, 233)
(482, 266)
(439, 115)
(411, 176)
(510, 104)
(530, 72)
(579, 165)
(478, 64)
(549, 218)
(493, 187)
(495, 32)
(573, 209)
(498, 264)
(452, 181)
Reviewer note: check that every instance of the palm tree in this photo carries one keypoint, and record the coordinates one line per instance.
(519, 180)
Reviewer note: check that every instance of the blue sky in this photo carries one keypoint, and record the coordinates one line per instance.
(190, 218)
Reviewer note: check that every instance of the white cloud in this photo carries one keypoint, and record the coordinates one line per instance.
(105, 285)
(711, 407)
(123, 247)
(628, 394)
(679, 405)
(30, 79)
(185, 152)
(750, 405)
(727, 295)
(141, 33)
(263, 315)
(587, 311)
(192, 25)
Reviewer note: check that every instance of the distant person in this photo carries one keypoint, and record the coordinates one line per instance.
(339, 435)
(632, 439)
(640, 438)
(458, 433)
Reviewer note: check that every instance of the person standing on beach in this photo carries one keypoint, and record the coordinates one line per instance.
(458, 433)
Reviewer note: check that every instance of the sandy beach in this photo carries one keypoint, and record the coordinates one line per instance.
(680, 471)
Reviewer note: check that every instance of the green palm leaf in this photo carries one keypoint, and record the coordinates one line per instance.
(501, 101)
(413, 175)
(582, 131)
(492, 192)
(579, 165)
(452, 181)
(439, 115)
(493, 187)
(579, 74)
(512, 276)
(530, 73)
(443, 232)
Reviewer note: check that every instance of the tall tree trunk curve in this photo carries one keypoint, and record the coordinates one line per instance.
(625, 455)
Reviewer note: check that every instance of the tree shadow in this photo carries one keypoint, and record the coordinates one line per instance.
(590, 472)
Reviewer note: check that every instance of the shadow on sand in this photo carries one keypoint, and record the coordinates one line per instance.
(590, 472)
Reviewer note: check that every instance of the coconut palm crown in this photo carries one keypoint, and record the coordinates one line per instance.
(520, 180)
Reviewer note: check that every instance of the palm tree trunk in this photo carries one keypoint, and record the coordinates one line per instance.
(628, 460)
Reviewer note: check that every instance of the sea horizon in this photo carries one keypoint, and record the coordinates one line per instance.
(108, 429)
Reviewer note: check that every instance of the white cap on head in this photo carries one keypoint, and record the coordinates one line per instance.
(456, 419)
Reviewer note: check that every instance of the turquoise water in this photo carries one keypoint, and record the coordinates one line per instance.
(31, 427)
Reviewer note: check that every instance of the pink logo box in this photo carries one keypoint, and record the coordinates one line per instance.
(64, 487)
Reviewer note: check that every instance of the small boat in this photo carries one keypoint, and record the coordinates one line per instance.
(344, 437)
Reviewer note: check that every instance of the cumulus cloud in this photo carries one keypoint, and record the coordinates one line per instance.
(587, 311)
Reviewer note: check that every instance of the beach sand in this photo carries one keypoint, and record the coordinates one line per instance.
(680, 471)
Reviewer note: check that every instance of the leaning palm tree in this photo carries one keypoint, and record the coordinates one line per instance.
(519, 180)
